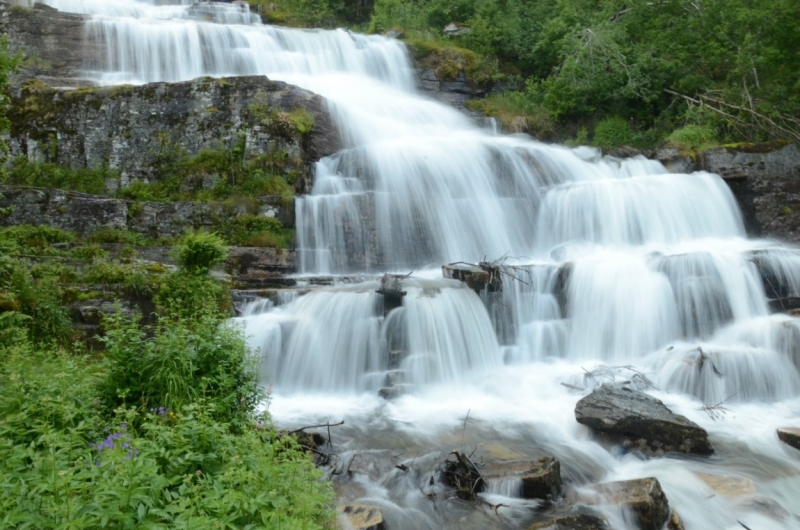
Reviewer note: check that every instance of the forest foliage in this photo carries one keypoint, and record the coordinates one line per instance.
(729, 66)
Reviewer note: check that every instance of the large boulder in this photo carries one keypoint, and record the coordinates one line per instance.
(643, 497)
(640, 421)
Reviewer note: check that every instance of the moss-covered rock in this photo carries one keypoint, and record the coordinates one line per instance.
(138, 131)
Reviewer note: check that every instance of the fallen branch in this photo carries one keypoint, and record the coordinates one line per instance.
(494, 507)
(328, 425)
(710, 102)
(717, 411)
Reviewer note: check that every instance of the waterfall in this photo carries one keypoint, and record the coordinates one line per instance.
(606, 263)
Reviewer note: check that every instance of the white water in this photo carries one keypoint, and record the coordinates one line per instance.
(658, 275)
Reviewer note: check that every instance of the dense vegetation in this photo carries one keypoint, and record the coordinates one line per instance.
(159, 428)
(729, 70)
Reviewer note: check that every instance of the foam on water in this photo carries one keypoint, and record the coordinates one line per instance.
(612, 269)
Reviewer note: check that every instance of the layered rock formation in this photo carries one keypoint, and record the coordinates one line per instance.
(131, 129)
(87, 214)
(51, 42)
(765, 178)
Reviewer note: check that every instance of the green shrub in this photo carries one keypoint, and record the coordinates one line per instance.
(582, 138)
(137, 191)
(184, 295)
(90, 252)
(116, 235)
(46, 175)
(200, 251)
(35, 237)
(256, 230)
(302, 120)
(693, 138)
(128, 275)
(38, 299)
(516, 112)
(183, 361)
(613, 132)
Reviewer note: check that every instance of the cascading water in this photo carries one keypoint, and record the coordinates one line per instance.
(614, 263)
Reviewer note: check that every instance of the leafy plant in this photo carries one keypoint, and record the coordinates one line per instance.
(693, 138)
(200, 251)
(613, 132)
(256, 230)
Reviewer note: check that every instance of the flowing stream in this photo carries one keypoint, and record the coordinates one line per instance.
(619, 269)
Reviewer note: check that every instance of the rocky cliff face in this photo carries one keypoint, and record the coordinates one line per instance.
(87, 214)
(765, 179)
(51, 42)
(130, 128)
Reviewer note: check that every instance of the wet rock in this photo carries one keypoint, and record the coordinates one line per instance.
(640, 421)
(643, 497)
(576, 521)
(259, 267)
(675, 522)
(765, 506)
(454, 92)
(395, 391)
(372, 464)
(674, 161)
(363, 516)
(391, 290)
(561, 288)
(477, 278)
(396, 358)
(728, 486)
(394, 377)
(790, 436)
(624, 151)
(539, 479)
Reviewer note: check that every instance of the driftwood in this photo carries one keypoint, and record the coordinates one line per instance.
(464, 476)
